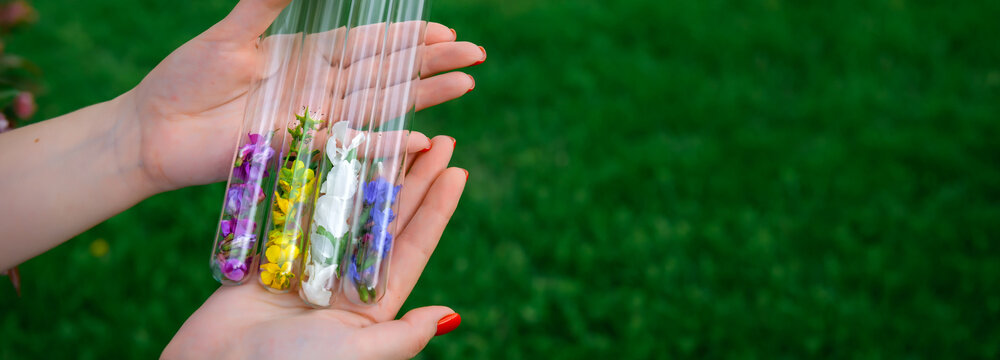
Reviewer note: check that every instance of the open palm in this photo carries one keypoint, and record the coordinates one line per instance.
(246, 321)
(190, 109)
(197, 96)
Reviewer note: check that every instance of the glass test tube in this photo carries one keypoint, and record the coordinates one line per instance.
(233, 259)
(340, 171)
(367, 270)
(315, 81)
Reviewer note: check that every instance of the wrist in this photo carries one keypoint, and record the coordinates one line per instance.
(123, 132)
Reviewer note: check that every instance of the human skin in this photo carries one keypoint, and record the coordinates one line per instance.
(247, 322)
(178, 128)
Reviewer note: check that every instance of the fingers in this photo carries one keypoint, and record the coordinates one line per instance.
(398, 67)
(361, 104)
(442, 88)
(420, 237)
(424, 171)
(417, 142)
(366, 41)
(449, 56)
(248, 20)
(383, 144)
(378, 86)
(403, 338)
(395, 69)
(437, 33)
(380, 105)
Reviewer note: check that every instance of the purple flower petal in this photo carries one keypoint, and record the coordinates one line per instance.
(234, 269)
(255, 138)
(241, 197)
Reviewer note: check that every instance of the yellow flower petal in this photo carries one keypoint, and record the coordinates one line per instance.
(283, 204)
(279, 217)
(267, 277)
(273, 254)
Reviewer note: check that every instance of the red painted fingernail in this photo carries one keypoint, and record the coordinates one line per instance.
(466, 174)
(453, 141)
(454, 35)
(473, 84)
(448, 323)
(425, 150)
(484, 57)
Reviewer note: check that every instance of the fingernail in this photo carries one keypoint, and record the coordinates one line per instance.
(473, 84)
(453, 141)
(484, 57)
(448, 323)
(454, 35)
(466, 174)
(426, 149)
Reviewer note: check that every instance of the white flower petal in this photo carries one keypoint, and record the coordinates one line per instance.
(341, 180)
(331, 148)
(331, 214)
(339, 131)
(321, 248)
(356, 141)
(316, 288)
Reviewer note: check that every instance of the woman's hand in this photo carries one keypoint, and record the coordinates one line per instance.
(247, 322)
(177, 128)
(189, 109)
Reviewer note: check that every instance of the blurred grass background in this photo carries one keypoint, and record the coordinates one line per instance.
(649, 179)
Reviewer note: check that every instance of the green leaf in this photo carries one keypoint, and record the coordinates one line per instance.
(363, 218)
(323, 232)
(368, 261)
(285, 174)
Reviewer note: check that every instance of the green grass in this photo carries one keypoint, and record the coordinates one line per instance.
(681, 178)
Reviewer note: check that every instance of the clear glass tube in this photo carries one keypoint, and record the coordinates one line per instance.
(329, 238)
(324, 241)
(366, 271)
(241, 224)
(305, 129)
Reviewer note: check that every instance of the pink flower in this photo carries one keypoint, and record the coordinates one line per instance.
(16, 13)
(24, 105)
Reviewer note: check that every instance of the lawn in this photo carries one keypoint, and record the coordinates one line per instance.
(649, 179)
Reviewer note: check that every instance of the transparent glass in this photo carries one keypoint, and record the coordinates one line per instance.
(305, 129)
(366, 269)
(340, 171)
(324, 242)
(244, 213)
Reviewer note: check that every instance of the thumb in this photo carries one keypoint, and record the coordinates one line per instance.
(248, 20)
(406, 337)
